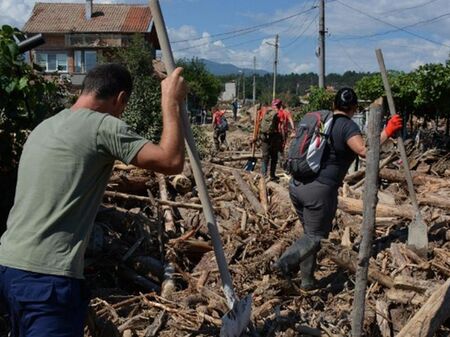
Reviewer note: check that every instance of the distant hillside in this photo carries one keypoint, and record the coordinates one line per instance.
(221, 69)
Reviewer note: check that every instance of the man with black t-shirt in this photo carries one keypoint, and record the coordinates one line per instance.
(316, 201)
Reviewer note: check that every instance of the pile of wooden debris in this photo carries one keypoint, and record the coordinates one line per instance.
(152, 270)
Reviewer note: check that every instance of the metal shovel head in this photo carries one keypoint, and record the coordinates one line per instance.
(250, 166)
(237, 319)
(418, 235)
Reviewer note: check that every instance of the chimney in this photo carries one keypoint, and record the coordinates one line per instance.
(88, 9)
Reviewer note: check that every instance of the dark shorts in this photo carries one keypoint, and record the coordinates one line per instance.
(316, 205)
(41, 305)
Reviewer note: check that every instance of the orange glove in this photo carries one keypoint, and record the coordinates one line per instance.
(394, 124)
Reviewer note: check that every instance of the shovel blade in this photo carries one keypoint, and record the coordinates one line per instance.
(250, 166)
(418, 235)
(237, 319)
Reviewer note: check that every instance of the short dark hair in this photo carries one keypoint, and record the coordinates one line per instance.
(345, 99)
(107, 80)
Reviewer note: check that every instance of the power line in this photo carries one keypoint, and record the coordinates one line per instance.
(392, 25)
(250, 28)
(240, 34)
(349, 56)
(409, 8)
(355, 37)
(292, 42)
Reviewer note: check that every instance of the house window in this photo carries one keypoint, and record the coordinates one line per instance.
(85, 60)
(52, 61)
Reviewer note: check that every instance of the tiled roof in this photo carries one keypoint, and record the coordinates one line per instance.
(70, 17)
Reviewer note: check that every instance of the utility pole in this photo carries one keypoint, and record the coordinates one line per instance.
(254, 79)
(243, 88)
(321, 51)
(275, 64)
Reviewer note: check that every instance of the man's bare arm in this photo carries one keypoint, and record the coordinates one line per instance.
(168, 156)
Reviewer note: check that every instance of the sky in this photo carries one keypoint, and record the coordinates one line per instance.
(409, 32)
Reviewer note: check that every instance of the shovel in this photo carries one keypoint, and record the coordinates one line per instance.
(417, 230)
(238, 318)
(251, 163)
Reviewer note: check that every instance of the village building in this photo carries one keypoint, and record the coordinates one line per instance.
(80, 35)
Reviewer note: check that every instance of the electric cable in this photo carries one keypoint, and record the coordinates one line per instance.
(392, 25)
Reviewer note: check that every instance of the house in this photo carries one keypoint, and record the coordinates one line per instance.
(229, 93)
(78, 35)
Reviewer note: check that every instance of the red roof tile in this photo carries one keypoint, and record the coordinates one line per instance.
(70, 17)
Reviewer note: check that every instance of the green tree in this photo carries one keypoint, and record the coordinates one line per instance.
(319, 99)
(26, 98)
(433, 91)
(143, 111)
(204, 87)
(370, 87)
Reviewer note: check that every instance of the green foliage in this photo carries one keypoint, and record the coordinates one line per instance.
(423, 92)
(369, 87)
(292, 84)
(143, 111)
(27, 98)
(319, 99)
(432, 84)
(202, 141)
(204, 88)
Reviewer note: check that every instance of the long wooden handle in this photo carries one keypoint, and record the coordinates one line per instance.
(401, 145)
(169, 62)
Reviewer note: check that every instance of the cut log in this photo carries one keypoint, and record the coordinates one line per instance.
(432, 314)
(245, 189)
(181, 183)
(355, 206)
(169, 222)
(418, 179)
(263, 194)
(434, 200)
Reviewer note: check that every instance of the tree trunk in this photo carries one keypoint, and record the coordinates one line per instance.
(368, 225)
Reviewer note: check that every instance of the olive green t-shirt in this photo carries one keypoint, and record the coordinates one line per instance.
(63, 171)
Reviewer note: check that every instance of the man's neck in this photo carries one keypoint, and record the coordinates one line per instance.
(89, 102)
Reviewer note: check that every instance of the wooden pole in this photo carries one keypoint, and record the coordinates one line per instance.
(368, 225)
(417, 230)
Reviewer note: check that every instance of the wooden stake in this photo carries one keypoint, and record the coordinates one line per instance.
(368, 225)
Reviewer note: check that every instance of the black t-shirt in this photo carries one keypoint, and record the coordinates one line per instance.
(338, 156)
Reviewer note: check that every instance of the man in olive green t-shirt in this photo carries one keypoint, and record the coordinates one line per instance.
(63, 172)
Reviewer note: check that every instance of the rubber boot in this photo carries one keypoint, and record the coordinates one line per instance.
(289, 263)
(264, 168)
(307, 268)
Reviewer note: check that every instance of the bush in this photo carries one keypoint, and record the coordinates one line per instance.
(143, 111)
(27, 98)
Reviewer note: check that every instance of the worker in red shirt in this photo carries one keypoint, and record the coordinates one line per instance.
(286, 122)
(220, 126)
(270, 128)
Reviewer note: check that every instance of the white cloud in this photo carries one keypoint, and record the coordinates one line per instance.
(402, 51)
